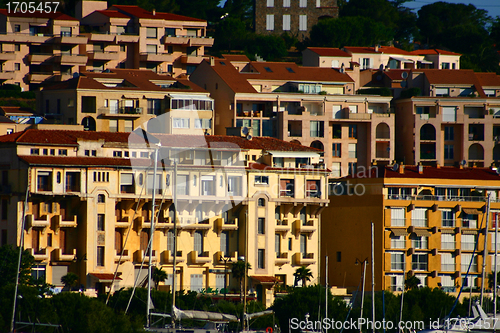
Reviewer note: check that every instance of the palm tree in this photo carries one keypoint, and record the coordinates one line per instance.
(411, 282)
(302, 274)
(158, 276)
(69, 280)
(239, 270)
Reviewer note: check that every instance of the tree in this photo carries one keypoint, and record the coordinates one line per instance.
(203, 9)
(269, 47)
(230, 34)
(158, 276)
(302, 274)
(411, 282)
(241, 10)
(69, 280)
(239, 270)
(8, 266)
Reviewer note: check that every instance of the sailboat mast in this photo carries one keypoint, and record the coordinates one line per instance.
(373, 277)
(153, 198)
(485, 252)
(495, 274)
(174, 194)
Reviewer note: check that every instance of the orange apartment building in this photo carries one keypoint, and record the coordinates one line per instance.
(427, 223)
(40, 47)
(315, 107)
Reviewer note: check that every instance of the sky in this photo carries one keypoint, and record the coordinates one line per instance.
(492, 6)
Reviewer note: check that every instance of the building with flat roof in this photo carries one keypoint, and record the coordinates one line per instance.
(90, 206)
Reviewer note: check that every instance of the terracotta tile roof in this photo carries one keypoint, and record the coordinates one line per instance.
(236, 57)
(136, 11)
(139, 80)
(488, 79)
(36, 14)
(82, 161)
(62, 137)
(113, 13)
(396, 74)
(393, 50)
(460, 77)
(434, 51)
(231, 76)
(329, 52)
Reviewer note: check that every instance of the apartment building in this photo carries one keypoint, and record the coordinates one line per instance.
(90, 208)
(122, 100)
(40, 47)
(315, 107)
(380, 57)
(429, 222)
(454, 121)
(294, 17)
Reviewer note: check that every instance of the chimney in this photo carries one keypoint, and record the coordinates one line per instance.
(376, 47)
(154, 12)
(420, 168)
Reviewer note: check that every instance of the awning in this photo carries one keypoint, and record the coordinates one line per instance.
(184, 96)
(471, 211)
(399, 232)
(425, 62)
(292, 154)
(105, 277)
(422, 233)
(402, 59)
(447, 231)
(265, 279)
(469, 232)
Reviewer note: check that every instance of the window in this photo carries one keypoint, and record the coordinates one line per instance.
(196, 282)
(339, 256)
(445, 65)
(157, 184)
(397, 282)
(419, 242)
(224, 243)
(100, 222)
(277, 245)
(447, 262)
(289, 244)
(63, 152)
(233, 185)
(419, 262)
(127, 183)
(261, 180)
(336, 169)
(261, 259)
(100, 256)
(17, 28)
(398, 242)
(448, 218)
(397, 261)
(198, 242)
(317, 129)
(182, 185)
(261, 226)
(302, 22)
(468, 242)
(448, 152)
(17, 66)
(117, 153)
(397, 217)
(207, 185)
(337, 132)
(181, 123)
(469, 220)
(270, 3)
(352, 150)
(365, 63)
(449, 113)
(302, 3)
(270, 22)
(447, 241)
(313, 188)
(38, 272)
(352, 168)
(170, 31)
(44, 181)
(151, 49)
(5, 209)
(72, 181)
(151, 33)
(286, 22)
(203, 123)
(128, 127)
(17, 48)
(287, 187)
(286, 3)
(418, 217)
(261, 202)
(101, 198)
(353, 131)
(35, 151)
(468, 259)
(303, 245)
(449, 134)
(353, 109)
(88, 104)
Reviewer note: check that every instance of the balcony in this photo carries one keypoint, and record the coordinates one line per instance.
(168, 258)
(41, 222)
(304, 259)
(195, 60)
(23, 38)
(101, 37)
(71, 59)
(281, 259)
(122, 222)
(307, 227)
(156, 57)
(448, 267)
(141, 255)
(438, 198)
(201, 41)
(63, 255)
(219, 254)
(178, 40)
(102, 56)
(8, 55)
(282, 226)
(68, 39)
(39, 77)
(192, 227)
(127, 38)
(38, 58)
(199, 259)
(7, 75)
(40, 254)
(60, 223)
(123, 112)
(222, 225)
(124, 257)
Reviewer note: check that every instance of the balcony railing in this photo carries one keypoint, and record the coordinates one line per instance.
(65, 255)
(168, 258)
(448, 245)
(448, 267)
(438, 198)
(124, 257)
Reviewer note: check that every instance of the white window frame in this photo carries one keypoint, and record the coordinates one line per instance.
(270, 22)
(286, 22)
(302, 22)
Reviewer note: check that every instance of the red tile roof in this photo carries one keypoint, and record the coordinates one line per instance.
(434, 51)
(329, 52)
(83, 161)
(112, 13)
(236, 57)
(396, 74)
(136, 11)
(61, 137)
(280, 71)
(231, 76)
(488, 79)
(138, 79)
(36, 14)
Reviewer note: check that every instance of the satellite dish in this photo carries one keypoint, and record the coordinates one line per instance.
(404, 75)
(244, 130)
(249, 137)
(395, 167)
(463, 162)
